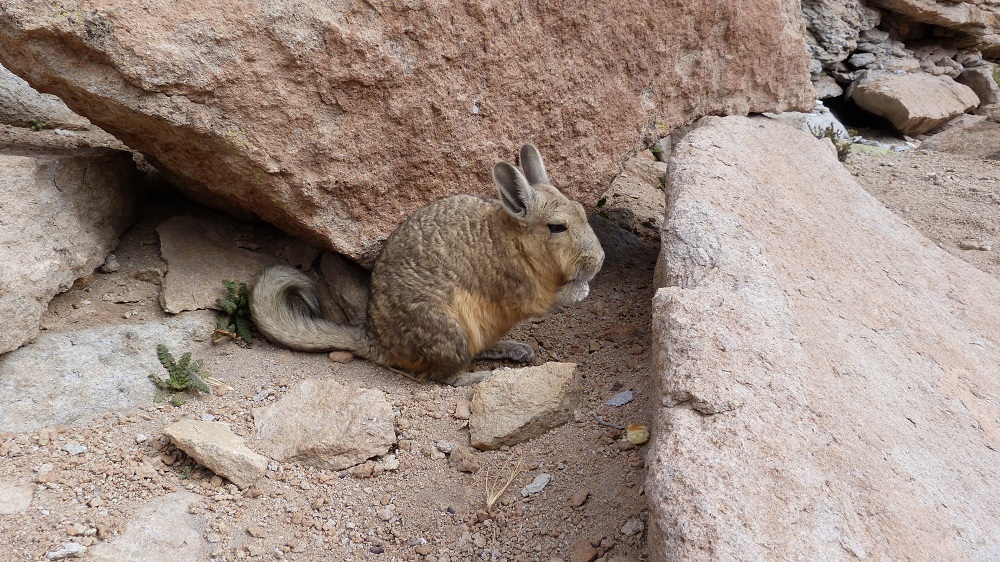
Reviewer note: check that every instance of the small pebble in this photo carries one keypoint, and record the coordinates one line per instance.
(464, 459)
(110, 264)
(69, 549)
(256, 531)
(390, 463)
(463, 410)
(583, 551)
(579, 498)
(75, 448)
(622, 398)
(341, 356)
(637, 433)
(537, 485)
(633, 526)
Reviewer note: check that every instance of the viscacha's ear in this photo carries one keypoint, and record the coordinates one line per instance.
(516, 194)
(534, 167)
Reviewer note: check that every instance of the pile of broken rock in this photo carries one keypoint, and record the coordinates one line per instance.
(917, 64)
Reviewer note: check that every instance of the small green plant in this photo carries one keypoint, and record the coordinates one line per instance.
(843, 147)
(234, 319)
(37, 124)
(184, 375)
(600, 207)
(996, 75)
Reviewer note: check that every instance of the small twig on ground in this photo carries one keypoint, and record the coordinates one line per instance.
(602, 421)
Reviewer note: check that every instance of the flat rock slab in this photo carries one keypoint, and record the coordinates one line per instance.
(915, 103)
(201, 253)
(827, 376)
(216, 447)
(326, 424)
(162, 530)
(69, 377)
(515, 405)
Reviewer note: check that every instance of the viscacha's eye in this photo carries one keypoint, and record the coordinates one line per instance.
(556, 228)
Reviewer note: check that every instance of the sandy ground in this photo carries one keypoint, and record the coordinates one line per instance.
(594, 508)
(952, 199)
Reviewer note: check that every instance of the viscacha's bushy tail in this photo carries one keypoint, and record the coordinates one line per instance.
(298, 327)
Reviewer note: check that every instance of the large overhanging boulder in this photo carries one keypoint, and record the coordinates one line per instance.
(335, 120)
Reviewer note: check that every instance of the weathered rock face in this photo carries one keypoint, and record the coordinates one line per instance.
(833, 27)
(852, 43)
(635, 199)
(827, 375)
(61, 212)
(914, 103)
(334, 121)
(981, 80)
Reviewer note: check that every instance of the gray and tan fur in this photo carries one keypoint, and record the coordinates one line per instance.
(452, 280)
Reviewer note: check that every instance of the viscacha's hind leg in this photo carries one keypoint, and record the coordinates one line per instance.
(508, 349)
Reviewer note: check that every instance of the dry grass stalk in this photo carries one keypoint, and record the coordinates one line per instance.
(492, 495)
